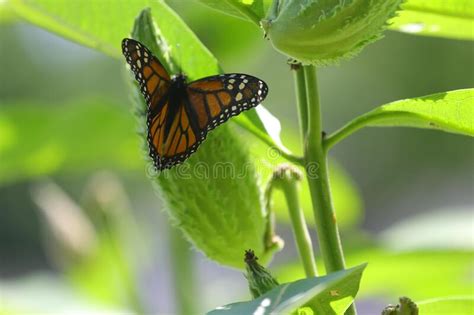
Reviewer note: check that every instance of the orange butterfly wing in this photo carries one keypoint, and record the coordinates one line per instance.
(217, 98)
(173, 146)
(154, 83)
(152, 77)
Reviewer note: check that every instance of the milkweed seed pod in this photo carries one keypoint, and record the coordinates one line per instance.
(214, 197)
(215, 200)
(322, 32)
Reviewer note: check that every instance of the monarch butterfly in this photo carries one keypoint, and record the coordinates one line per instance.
(180, 114)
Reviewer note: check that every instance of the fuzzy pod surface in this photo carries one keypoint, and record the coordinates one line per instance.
(322, 32)
(215, 200)
(213, 197)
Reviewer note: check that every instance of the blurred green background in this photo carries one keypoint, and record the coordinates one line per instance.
(72, 176)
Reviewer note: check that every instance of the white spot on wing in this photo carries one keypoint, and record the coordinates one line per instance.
(238, 97)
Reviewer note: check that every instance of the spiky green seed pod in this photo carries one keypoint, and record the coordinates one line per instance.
(214, 197)
(259, 279)
(322, 32)
(215, 200)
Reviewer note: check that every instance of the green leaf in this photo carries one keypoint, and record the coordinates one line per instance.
(97, 24)
(423, 274)
(448, 111)
(450, 305)
(180, 48)
(39, 139)
(331, 294)
(216, 29)
(337, 297)
(451, 111)
(441, 18)
(253, 10)
(103, 24)
(262, 124)
(6, 16)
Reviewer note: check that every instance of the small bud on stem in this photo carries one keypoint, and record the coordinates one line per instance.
(259, 279)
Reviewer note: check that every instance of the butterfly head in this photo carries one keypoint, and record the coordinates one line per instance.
(179, 80)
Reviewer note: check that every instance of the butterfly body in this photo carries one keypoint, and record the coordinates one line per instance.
(180, 114)
(176, 95)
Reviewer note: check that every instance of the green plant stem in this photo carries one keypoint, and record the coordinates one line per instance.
(301, 101)
(270, 228)
(290, 188)
(284, 153)
(183, 275)
(299, 160)
(351, 127)
(244, 10)
(316, 171)
(318, 179)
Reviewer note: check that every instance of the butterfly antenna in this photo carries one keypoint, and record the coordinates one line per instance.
(179, 62)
